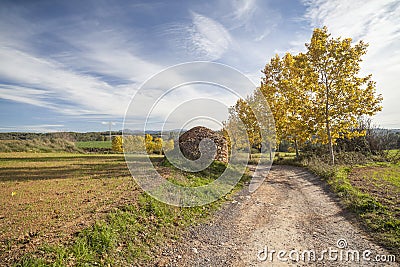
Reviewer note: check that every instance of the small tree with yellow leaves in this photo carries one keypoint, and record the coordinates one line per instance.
(117, 143)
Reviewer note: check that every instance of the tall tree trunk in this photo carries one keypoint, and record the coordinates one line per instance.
(328, 127)
(268, 145)
(328, 131)
(297, 148)
(270, 151)
(250, 157)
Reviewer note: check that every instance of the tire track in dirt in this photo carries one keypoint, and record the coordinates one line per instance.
(291, 211)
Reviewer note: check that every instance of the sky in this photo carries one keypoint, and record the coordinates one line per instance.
(76, 65)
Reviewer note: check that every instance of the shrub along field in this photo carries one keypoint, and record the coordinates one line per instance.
(38, 145)
(46, 145)
(62, 209)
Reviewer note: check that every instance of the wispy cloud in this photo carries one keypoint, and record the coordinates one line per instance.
(244, 10)
(209, 37)
(23, 94)
(200, 38)
(92, 75)
(45, 83)
(109, 52)
(257, 18)
(377, 22)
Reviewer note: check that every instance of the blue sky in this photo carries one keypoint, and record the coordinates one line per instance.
(71, 65)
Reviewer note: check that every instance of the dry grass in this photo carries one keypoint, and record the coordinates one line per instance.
(47, 197)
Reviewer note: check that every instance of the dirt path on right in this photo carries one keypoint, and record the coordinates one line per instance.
(290, 220)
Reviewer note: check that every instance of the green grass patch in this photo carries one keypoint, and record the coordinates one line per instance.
(393, 152)
(93, 144)
(390, 175)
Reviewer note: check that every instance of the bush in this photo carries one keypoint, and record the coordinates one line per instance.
(117, 143)
(319, 166)
(38, 145)
(341, 158)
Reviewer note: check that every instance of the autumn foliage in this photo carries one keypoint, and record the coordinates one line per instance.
(317, 96)
(140, 143)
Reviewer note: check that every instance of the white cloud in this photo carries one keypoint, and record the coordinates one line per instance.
(255, 18)
(209, 37)
(188, 83)
(109, 52)
(202, 38)
(24, 94)
(376, 22)
(244, 10)
(89, 66)
(73, 82)
(45, 83)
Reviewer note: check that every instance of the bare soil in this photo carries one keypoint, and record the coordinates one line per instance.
(291, 211)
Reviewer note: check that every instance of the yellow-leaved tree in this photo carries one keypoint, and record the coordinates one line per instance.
(232, 130)
(158, 145)
(149, 143)
(248, 130)
(168, 145)
(285, 88)
(248, 118)
(338, 94)
(134, 143)
(117, 143)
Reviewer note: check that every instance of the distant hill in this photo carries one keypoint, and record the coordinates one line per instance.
(154, 132)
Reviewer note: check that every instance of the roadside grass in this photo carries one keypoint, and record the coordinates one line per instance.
(393, 152)
(372, 192)
(393, 155)
(279, 157)
(93, 144)
(83, 210)
(285, 155)
(127, 236)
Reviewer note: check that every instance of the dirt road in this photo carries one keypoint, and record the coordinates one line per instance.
(291, 212)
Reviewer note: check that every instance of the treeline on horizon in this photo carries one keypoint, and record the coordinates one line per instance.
(69, 136)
